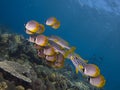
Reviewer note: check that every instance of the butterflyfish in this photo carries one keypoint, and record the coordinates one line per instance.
(49, 50)
(59, 63)
(91, 70)
(53, 22)
(98, 81)
(33, 27)
(60, 58)
(41, 40)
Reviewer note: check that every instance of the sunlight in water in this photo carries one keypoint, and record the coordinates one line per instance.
(106, 5)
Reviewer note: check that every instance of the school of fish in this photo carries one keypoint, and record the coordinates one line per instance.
(55, 50)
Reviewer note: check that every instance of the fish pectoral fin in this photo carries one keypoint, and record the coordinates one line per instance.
(81, 67)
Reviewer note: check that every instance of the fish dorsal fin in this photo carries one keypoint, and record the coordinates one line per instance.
(56, 38)
(78, 56)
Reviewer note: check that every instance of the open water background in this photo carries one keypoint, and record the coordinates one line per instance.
(93, 26)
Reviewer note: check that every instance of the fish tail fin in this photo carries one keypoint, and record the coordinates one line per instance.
(71, 50)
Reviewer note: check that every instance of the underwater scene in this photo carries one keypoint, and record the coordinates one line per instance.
(59, 44)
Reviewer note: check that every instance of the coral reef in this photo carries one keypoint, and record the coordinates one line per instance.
(22, 69)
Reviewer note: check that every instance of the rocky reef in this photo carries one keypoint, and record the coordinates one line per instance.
(22, 69)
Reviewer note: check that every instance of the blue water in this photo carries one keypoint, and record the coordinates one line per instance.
(93, 26)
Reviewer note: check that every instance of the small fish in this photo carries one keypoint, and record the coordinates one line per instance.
(91, 70)
(60, 58)
(49, 50)
(59, 62)
(98, 81)
(79, 63)
(33, 27)
(53, 22)
(41, 40)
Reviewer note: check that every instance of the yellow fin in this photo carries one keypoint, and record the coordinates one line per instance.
(103, 81)
(97, 71)
(72, 50)
(41, 29)
(81, 67)
(69, 51)
(76, 70)
(59, 39)
(86, 61)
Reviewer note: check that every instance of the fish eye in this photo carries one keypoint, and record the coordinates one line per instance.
(88, 78)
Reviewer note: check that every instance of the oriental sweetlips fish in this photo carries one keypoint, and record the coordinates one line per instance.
(55, 50)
